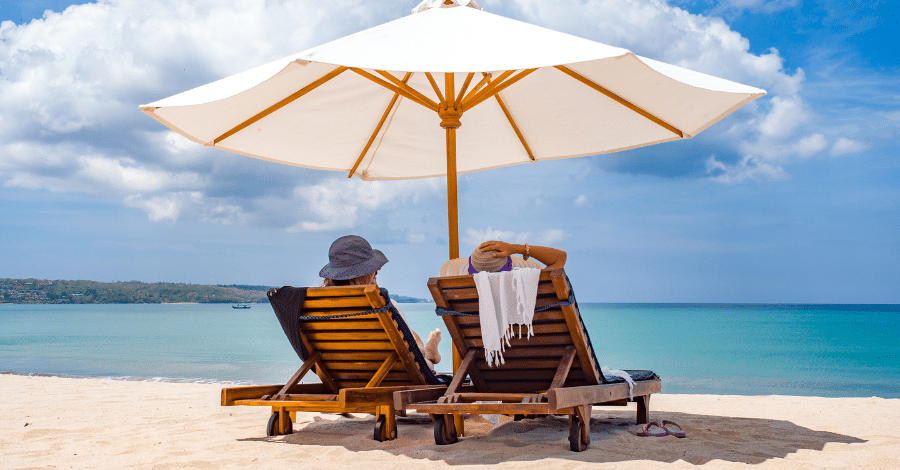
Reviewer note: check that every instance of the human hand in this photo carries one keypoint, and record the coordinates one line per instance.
(500, 249)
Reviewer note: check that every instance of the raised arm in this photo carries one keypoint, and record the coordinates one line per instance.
(551, 257)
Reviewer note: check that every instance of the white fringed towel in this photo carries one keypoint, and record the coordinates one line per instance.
(624, 375)
(504, 300)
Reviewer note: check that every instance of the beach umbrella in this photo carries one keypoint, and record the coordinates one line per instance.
(449, 89)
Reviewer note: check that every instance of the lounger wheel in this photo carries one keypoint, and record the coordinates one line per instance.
(272, 425)
(380, 434)
(379, 428)
(444, 430)
(578, 442)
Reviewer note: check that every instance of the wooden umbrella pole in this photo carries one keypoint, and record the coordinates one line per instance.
(450, 113)
(452, 212)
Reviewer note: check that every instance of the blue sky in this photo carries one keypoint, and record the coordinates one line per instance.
(794, 198)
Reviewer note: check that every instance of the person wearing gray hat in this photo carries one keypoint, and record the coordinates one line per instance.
(353, 262)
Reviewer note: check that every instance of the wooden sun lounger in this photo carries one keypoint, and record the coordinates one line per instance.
(361, 361)
(554, 372)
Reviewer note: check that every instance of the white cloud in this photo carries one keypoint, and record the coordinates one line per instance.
(581, 200)
(551, 237)
(172, 206)
(810, 145)
(748, 169)
(476, 237)
(763, 6)
(845, 146)
(785, 115)
(69, 167)
(546, 238)
(337, 203)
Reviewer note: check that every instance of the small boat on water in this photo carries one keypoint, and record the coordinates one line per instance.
(240, 306)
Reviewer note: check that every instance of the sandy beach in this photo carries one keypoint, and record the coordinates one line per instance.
(51, 422)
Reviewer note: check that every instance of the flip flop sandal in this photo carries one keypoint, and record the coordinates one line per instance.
(666, 425)
(648, 431)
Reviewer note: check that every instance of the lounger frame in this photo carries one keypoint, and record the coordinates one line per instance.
(552, 373)
(361, 361)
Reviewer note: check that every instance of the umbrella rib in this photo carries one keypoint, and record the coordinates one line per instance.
(384, 117)
(397, 86)
(483, 82)
(512, 122)
(619, 99)
(437, 90)
(275, 107)
(450, 86)
(497, 88)
(486, 90)
(412, 91)
(465, 86)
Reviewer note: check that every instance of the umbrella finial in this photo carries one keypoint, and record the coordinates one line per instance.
(429, 4)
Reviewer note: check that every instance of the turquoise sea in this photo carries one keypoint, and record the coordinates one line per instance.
(745, 349)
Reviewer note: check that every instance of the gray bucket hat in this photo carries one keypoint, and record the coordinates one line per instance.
(351, 256)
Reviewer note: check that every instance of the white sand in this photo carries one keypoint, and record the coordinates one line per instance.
(49, 422)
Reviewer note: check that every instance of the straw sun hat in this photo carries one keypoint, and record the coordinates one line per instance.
(486, 262)
(350, 257)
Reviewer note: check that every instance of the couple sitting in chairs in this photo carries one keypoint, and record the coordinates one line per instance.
(357, 341)
(353, 262)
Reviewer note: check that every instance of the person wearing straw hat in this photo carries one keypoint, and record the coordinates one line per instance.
(353, 262)
(496, 256)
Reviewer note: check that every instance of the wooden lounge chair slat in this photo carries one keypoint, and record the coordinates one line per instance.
(470, 293)
(526, 363)
(347, 291)
(539, 317)
(329, 356)
(362, 365)
(366, 376)
(348, 335)
(550, 328)
(338, 302)
(534, 341)
(354, 346)
(343, 324)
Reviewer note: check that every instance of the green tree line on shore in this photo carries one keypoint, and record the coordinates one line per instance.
(42, 291)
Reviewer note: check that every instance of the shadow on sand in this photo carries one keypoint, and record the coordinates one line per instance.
(613, 439)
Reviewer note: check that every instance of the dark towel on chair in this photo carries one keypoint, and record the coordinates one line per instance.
(287, 303)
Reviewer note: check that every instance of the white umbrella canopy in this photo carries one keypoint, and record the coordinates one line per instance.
(385, 103)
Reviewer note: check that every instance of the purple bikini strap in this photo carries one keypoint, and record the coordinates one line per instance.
(506, 267)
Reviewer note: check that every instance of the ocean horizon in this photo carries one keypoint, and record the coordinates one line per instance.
(825, 350)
